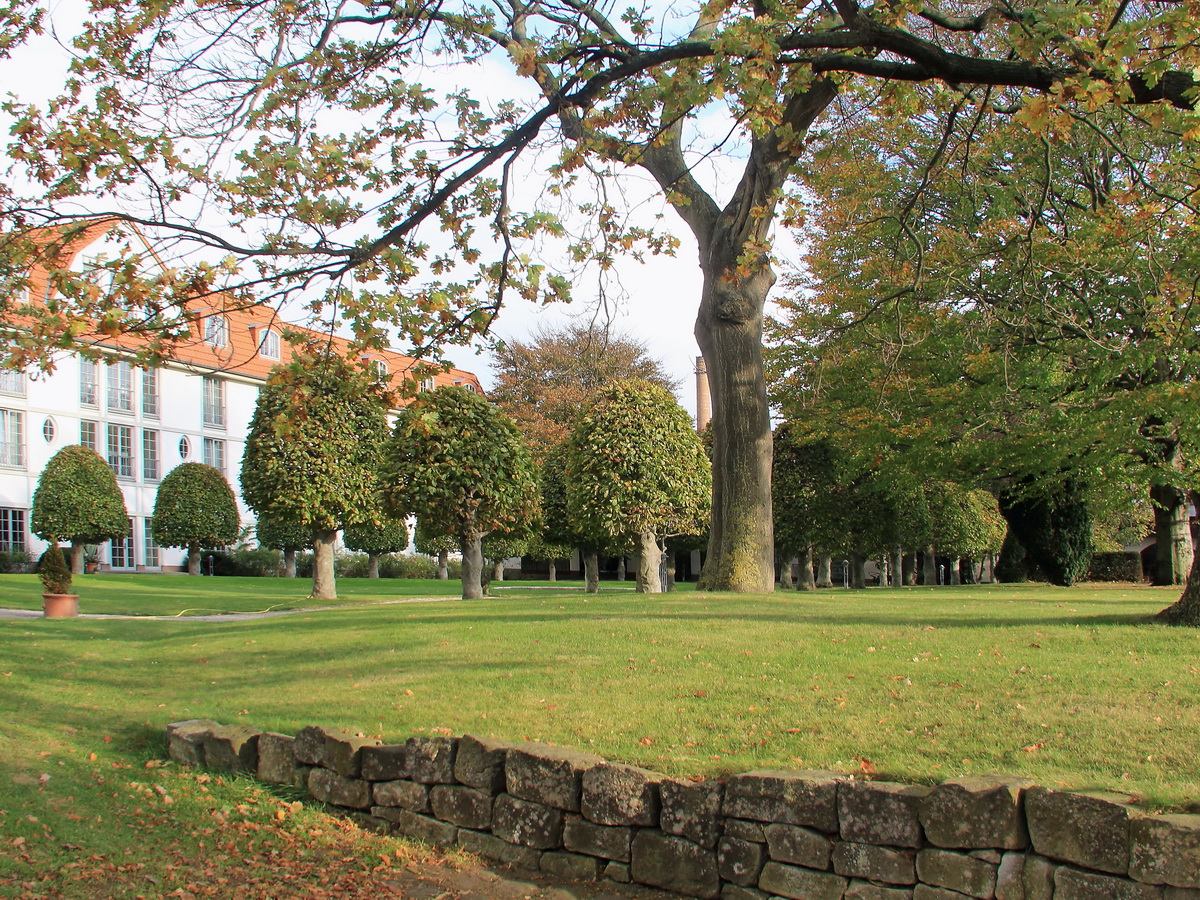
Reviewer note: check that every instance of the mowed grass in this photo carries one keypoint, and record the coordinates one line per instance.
(1073, 687)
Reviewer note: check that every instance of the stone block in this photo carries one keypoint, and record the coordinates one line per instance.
(491, 847)
(339, 751)
(461, 805)
(418, 827)
(479, 763)
(402, 794)
(1038, 877)
(740, 862)
(385, 762)
(607, 841)
(674, 864)
(527, 823)
(801, 884)
(1089, 830)
(975, 812)
(957, 872)
(618, 872)
(929, 892)
(737, 892)
(185, 740)
(1010, 877)
(881, 812)
(1074, 884)
(802, 846)
(552, 776)
(746, 830)
(431, 759)
(1166, 850)
(692, 810)
(571, 866)
(874, 863)
(792, 798)
(865, 890)
(1174, 893)
(330, 787)
(620, 795)
(231, 748)
(276, 759)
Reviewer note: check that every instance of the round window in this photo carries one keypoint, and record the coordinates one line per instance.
(49, 429)
(185, 448)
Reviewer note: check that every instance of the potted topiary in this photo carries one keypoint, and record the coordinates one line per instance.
(57, 602)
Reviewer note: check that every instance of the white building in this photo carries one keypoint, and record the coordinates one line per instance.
(147, 421)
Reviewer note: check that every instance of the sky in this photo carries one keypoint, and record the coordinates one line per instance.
(658, 297)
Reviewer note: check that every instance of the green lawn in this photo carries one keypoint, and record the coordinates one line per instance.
(1073, 687)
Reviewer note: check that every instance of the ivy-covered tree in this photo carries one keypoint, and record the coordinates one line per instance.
(636, 471)
(287, 537)
(375, 538)
(312, 452)
(460, 466)
(195, 508)
(78, 500)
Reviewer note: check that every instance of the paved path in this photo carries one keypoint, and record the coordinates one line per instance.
(229, 617)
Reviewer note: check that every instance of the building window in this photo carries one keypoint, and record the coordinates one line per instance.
(268, 347)
(150, 393)
(185, 448)
(216, 330)
(150, 455)
(87, 435)
(381, 369)
(466, 384)
(427, 384)
(214, 403)
(12, 382)
(121, 554)
(152, 558)
(120, 386)
(12, 529)
(89, 382)
(120, 450)
(49, 430)
(12, 438)
(214, 453)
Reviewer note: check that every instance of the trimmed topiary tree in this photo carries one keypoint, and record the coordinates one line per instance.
(637, 472)
(437, 546)
(376, 538)
(78, 500)
(195, 509)
(460, 465)
(287, 537)
(313, 450)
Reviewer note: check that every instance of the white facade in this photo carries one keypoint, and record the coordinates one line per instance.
(144, 422)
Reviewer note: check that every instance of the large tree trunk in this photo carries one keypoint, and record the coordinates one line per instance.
(929, 572)
(649, 557)
(289, 563)
(472, 564)
(553, 576)
(193, 559)
(324, 587)
(1173, 553)
(591, 572)
(1186, 610)
(955, 571)
(372, 565)
(898, 567)
(669, 570)
(858, 570)
(74, 555)
(785, 572)
(443, 565)
(910, 570)
(825, 571)
(805, 581)
(498, 570)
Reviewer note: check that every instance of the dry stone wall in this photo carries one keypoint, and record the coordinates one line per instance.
(754, 836)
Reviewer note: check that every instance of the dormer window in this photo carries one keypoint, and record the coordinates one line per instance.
(268, 345)
(216, 330)
(381, 369)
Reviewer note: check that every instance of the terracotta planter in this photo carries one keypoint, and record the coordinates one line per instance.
(90, 567)
(60, 606)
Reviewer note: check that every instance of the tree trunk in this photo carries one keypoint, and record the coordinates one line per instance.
(858, 571)
(443, 565)
(553, 576)
(825, 571)
(620, 568)
(289, 563)
(193, 559)
(883, 570)
(591, 572)
(74, 555)
(498, 570)
(898, 567)
(929, 572)
(1186, 610)
(785, 572)
(472, 564)
(910, 570)
(324, 586)
(372, 565)
(669, 570)
(806, 582)
(649, 556)
(1173, 553)
(955, 573)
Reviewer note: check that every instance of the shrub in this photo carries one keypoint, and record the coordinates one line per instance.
(257, 562)
(1119, 566)
(52, 570)
(14, 561)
